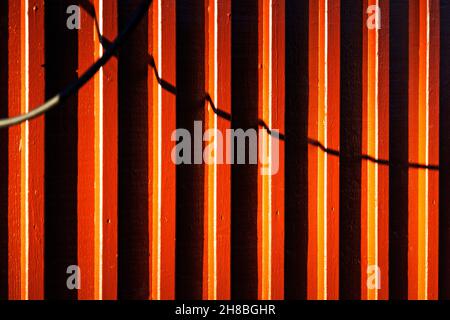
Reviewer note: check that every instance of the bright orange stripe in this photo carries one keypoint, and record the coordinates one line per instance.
(98, 161)
(110, 163)
(16, 157)
(371, 129)
(423, 136)
(87, 205)
(318, 166)
(265, 209)
(278, 172)
(36, 154)
(313, 164)
(333, 129)
(210, 286)
(162, 120)
(24, 159)
(155, 272)
(223, 89)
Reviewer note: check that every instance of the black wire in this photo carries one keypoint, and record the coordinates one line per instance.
(112, 50)
(139, 14)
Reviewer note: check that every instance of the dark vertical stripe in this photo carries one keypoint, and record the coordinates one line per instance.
(4, 151)
(61, 134)
(398, 150)
(444, 158)
(350, 163)
(296, 176)
(244, 179)
(133, 263)
(190, 108)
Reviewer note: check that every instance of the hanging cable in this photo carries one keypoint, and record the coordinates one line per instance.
(139, 14)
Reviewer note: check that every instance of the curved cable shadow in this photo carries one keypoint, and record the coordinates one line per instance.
(90, 9)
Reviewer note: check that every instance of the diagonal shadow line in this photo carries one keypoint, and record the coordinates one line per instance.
(90, 9)
(383, 162)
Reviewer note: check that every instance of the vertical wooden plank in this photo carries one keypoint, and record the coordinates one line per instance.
(415, 25)
(87, 184)
(224, 83)
(265, 106)
(333, 143)
(162, 121)
(296, 174)
(4, 84)
(350, 163)
(323, 135)
(398, 149)
(91, 155)
(190, 62)
(271, 156)
(374, 205)
(444, 155)
(433, 194)
(277, 145)
(384, 145)
(216, 284)
(244, 178)
(16, 274)
(316, 46)
(26, 149)
(36, 156)
(133, 201)
(423, 146)
(110, 157)
(61, 142)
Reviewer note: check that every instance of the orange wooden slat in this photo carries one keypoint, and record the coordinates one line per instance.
(264, 217)
(277, 164)
(271, 155)
(323, 166)
(434, 150)
(4, 54)
(333, 123)
(423, 145)
(110, 155)
(375, 183)
(88, 166)
(383, 183)
(97, 153)
(162, 122)
(36, 152)
(26, 156)
(424, 47)
(224, 173)
(216, 281)
(444, 152)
